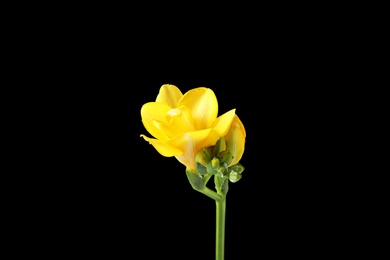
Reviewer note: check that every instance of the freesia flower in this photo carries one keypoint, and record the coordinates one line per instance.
(181, 125)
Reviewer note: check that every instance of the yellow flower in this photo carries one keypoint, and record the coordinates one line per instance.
(184, 124)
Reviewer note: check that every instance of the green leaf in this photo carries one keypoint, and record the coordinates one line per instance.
(195, 180)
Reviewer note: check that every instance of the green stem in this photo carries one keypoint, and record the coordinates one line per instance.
(221, 186)
(212, 194)
(220, 229)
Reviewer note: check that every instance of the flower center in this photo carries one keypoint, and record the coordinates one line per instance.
(179, 120)
(173, 112)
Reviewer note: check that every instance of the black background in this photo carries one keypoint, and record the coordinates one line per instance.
(119, 196)
(112, 194)
(106, 192)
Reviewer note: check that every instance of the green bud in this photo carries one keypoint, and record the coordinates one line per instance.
(237, 168)
(215, 162)
(219, 146)
(210, 169)
(234, 176)
(226, 157)
(221, 170)
(203, 157)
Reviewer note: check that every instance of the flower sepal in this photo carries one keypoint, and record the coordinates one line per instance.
(195, 180)
(221, 184)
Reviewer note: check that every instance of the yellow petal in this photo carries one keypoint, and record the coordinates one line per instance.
(235, 140)
(203, 104)
(169, 95)
(220, 127)
(241, 125)
(190, 143)
(179, 121)
(152, 114)
(163, 148)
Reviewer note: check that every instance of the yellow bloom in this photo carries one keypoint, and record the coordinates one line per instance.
(184, 124)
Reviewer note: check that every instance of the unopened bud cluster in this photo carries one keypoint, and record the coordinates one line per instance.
(216, 160)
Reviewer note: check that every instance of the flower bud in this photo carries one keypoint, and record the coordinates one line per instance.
(215, 162)
(226, 157)
(203, 157)
(219, 146)
(235, 140)
(234, 176)
(210, 169)
(237, 168)
(222, 171)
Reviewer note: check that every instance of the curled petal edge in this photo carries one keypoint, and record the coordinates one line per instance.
(163, 148)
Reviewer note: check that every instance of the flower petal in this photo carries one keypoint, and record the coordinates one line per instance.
(169, 95)
(152, 113)
(220, 127)
(203, 104)
(163, 148)
(189, 143)
(179, 121)
(235, 140)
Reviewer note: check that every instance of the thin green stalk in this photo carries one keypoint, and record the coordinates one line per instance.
(220, 229)
(221, 186)
(212, 194)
